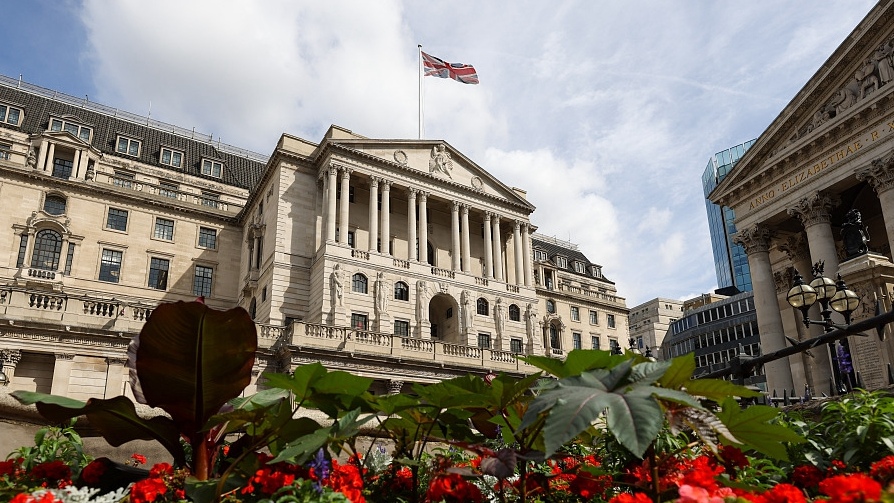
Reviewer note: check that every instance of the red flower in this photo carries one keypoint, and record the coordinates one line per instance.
(402, 480)
(781, 493)
(807, 476)
(854, 488)
(27, 498)
(160, 470)
(452, 488)
(147, 490)
(631, 498)
(138, 459)
(346, 480)
(93, 472)
(52, 471)
(587, 485)
(268, 481)
(733, 457)
(10, 467)
(882, 470)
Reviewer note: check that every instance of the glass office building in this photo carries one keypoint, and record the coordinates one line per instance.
(730, 261)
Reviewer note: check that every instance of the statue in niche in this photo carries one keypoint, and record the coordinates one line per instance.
(383, 293)
(32, 158)
(421, 301)
(499, 316)
(854, 234)
(468, 313)
(867, 78)
(336, 287)
(882, 57)
(440, 161)
(531, 323)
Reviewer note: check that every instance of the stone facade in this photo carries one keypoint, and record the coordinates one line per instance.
(650, 320)
(828, 152)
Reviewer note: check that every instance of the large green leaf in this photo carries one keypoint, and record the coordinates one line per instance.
(577, 361)
(679, 373)
(192, 359)
(115, 419)
(718, 390)
(752, 426)
(316, 387)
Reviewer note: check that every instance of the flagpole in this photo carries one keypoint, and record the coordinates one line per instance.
(420, 90)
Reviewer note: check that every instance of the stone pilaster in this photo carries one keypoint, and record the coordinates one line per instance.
(115, 377)
(62, 374)
(11, 358)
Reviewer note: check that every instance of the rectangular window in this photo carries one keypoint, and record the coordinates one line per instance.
(210, 200)
(401, 328)
(484, 341)
(117, 219)
(576, 340)
(167, 189)
(539, 255)
(5, 150)
(10, 115)
(515, 346)
(171, 157)
(128, 146)
(158, 273)
(62, 169)
(594, 318)
(110, 265)
(562, 262)
(579, 267)
(69, 259)
(575, 314)
(211, 168)
(610, 320)
(359, 321)
(613, 345)
(164, 229)
(124, 180)
(23, 247)
(264, 294)
(207, 237)
(201, 285)
(351, 239)
(594, 341)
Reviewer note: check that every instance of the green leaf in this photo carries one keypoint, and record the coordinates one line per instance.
(679, 373)
(205, 491)
(752, 427)
(649, 372)
(577, 361)
(192, 359)
(718, 390)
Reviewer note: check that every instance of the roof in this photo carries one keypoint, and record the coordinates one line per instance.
(553, 248)
(239, 170)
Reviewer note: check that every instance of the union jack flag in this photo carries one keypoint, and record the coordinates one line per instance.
(456, 71)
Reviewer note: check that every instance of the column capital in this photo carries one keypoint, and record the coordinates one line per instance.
(11, 356)
(412, 191)
(456, 206)
(422, 195)
(488, 215)
(517, 225)
(332, 170)
(346, 172)
(815, 209)
(64, 356)
(374, 181)
(386, 185)
(879, 174)
(754, 239)
(116, 361)
(465, 209)
(795, 247)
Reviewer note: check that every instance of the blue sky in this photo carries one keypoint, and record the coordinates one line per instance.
(605, 112)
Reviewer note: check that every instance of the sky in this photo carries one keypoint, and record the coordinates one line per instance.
(606, 112)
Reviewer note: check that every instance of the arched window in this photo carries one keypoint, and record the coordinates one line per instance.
(554, 336)
(401, 291)
(514, 313)
(253, 308)
(551, 307)
(358, 283)
(483, 306)
(54, 205)
(47, 247)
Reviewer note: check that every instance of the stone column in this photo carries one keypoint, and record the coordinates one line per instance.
(519, 254)
(394, 386)
(11, 358)
(411, 224)
(880, 175)
(467, 254)
(526, 247)
(329, 197)
(373, 214)
(62, 374)
(386, 217)
(498, 248)
(345, 206)
(756, 241)
(82, 166)
(115, 377)
(423, 227)
(488, 247)
(50, 155)
(455, 251)
(75, 163)
(42, 155)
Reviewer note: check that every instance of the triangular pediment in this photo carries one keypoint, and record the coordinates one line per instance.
(435, 159)
(854, 80)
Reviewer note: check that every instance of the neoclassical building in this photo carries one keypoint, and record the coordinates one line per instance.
(401, 260)
(827, 153)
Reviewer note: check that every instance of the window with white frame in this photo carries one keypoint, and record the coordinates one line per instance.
(164, 229)
(579, 267)
(594, 318)
(576, 340)
(610, 320)
(158, 273)
(110, 265)
(212, 168)
(539, 255)
(594, 341)
(596, 271)
(171, 157)
(5, 151)
(128, 146)
(10, 115)
(575, 313)
(561, 262)
(82, 132)
(207, 237)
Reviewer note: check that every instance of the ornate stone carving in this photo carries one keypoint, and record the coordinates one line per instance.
(116, 361)
(815, 209)
(499, 318)
(32, 158)
(400, 157)
(383, 294)
(65, 356)
(440, 161)
(468, 312)
(422, 297)
(754, 239)
(879, 174)
(531, 323)
(477, 183)
(394, 386)
(795, 247)
(336, 287)
(783, 279)
(10, 356)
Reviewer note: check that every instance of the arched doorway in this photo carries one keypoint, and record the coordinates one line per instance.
(443, 312)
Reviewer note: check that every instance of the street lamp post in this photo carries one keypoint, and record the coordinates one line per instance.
(830, 294)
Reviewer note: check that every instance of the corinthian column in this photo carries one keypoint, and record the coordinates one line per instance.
(411, 224)
(423, 227)
(526, 250)
(386, 217)
(330, 203)
(488, 247)
(519, 260)
(756, 241)
(815, 213)
(467, 256)
(456, 252)
(498, 249)
(345, 196)
(373, 214)
(880, 176)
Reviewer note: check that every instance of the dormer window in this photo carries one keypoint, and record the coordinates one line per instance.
(579, 267)
(172, 158)
(561, 262)
(10, 115)
(82, 132)
(128, 146)
(539, 255)
(211, 168)
(596, 271)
